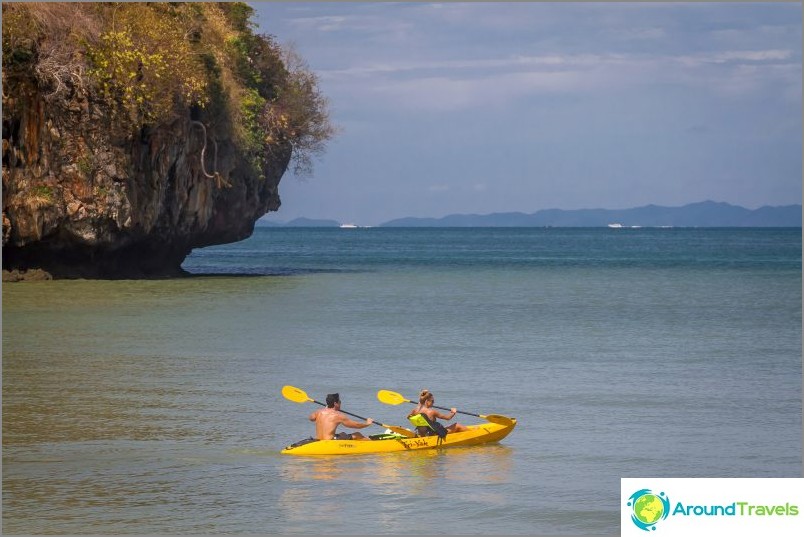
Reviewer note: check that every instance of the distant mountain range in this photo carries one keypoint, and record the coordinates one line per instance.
(703, 214)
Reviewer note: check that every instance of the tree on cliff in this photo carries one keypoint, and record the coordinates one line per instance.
(156, 62)
(135, 132)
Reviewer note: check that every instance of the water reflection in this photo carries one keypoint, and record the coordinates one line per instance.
(312, 468)
(317, 488)
(405, 473)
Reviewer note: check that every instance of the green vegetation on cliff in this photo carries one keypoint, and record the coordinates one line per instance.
(155, 63)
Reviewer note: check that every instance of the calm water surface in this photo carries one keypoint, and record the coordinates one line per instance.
(155, 406)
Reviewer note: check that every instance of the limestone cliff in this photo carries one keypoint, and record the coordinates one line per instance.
(78, 201)
(94, 188)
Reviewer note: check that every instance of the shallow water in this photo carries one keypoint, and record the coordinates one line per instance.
(155, 406)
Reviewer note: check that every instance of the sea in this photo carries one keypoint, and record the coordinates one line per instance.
(155, 407)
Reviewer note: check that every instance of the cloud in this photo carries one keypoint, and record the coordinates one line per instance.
(467, 82)
(455, 56)
(558, 61)
(737, 56)
(741, 73)
(328, 23)
(517, 62)
(447, 93)
(366, 28)
(646, 33)
(333, 23)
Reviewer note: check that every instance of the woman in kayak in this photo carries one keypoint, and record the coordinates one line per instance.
(327, 421)
(425, 407)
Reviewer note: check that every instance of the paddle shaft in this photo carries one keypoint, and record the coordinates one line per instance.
(396, 429)
(459, 411)
(354, 415)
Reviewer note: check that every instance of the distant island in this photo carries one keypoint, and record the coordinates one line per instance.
(703, 214)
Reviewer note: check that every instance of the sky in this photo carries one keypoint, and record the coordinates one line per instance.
(477, 108)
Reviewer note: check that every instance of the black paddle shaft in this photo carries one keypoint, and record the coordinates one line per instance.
(458, 411)
(354, 415)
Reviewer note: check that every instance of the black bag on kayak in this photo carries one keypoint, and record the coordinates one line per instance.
(439, 430)
(302, 442)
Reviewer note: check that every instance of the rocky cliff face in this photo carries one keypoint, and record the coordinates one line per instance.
(84, 198)
(134, 132)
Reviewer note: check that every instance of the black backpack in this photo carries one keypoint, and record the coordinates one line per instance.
(437, 428)
(302, 442)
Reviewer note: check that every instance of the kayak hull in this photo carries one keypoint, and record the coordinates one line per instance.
(482, 433)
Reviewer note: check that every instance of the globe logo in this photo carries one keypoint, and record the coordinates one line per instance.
(648, 508)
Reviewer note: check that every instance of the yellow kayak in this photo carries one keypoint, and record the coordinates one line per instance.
(481, 433)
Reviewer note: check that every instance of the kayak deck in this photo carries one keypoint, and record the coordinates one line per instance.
(481, 433)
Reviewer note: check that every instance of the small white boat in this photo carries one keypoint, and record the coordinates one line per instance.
(348, 226)
(615, 226)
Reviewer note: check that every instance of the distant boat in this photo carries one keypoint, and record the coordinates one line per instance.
(615, 226)
(348, 226)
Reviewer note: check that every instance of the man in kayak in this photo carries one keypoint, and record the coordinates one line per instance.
(425, 407)
(327, 421)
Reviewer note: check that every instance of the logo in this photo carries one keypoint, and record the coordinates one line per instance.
(648, 508)
(697, 506)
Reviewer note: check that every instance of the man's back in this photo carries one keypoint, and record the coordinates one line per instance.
(326, 422)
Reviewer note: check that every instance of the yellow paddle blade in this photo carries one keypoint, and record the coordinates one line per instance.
(391, 398)
(294, 394)
(498, 418)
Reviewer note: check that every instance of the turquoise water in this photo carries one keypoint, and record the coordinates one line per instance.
(155, 406)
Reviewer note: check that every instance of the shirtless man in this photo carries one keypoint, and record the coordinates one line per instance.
(327, 420)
